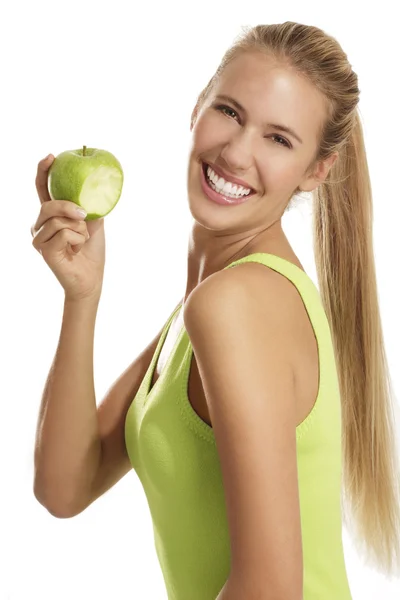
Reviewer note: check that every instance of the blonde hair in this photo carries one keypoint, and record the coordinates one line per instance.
(344, 255)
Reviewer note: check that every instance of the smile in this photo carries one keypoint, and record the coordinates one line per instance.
(221, 191)
(224, 186)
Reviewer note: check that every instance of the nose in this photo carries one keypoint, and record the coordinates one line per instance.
(237, 153)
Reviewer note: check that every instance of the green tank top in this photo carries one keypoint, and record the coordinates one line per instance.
(173, 451)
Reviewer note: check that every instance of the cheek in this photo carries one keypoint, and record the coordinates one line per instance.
(209, 131)
(204, 135)
(279, 175)
(285, 169)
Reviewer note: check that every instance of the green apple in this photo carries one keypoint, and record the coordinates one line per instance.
(89, 177)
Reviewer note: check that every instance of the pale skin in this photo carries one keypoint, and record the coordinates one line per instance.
(240, 317)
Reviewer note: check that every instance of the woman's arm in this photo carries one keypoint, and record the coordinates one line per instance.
(241, 335)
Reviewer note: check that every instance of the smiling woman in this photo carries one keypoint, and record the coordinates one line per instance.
(262, 397)
(246, 452)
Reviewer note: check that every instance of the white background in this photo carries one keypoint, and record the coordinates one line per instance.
(124, 77)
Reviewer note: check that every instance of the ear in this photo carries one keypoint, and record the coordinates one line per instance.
(320, 174)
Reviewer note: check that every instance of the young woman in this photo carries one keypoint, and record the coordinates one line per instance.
(260, 396)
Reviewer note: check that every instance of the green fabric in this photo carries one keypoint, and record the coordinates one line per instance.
(173, 452)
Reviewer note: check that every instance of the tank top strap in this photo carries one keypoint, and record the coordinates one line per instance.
(300, 279)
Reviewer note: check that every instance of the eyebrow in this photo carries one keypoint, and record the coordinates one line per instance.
(272, 125)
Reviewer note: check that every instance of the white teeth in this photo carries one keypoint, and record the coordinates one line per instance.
(226, 187)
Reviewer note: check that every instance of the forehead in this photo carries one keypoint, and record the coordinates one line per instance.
(272, 92)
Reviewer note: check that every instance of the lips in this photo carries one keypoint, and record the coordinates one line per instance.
(217, 197)
(227, 177)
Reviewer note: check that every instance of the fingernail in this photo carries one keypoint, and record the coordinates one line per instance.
(81, 212)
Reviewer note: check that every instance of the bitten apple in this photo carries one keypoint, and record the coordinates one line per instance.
(90, 177)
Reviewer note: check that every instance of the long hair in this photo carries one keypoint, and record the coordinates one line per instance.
(344, 256)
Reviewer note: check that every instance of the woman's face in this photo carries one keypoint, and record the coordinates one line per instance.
(234, 131)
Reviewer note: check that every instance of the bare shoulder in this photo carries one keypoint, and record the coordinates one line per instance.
(271, 300)
(264, 289)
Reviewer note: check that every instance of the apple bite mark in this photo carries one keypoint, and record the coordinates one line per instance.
(101, 190)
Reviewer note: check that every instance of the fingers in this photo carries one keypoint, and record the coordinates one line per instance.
(56, 208)
(64, 238)
(41, 178)
(56, 232)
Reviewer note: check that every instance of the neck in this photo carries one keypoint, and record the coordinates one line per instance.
(210, 252)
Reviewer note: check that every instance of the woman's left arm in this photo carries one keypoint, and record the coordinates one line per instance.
(240, 336)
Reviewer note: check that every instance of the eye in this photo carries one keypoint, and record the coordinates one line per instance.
(286, 143)
(224, 107)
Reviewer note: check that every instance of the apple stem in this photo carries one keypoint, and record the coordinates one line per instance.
(84, 151)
